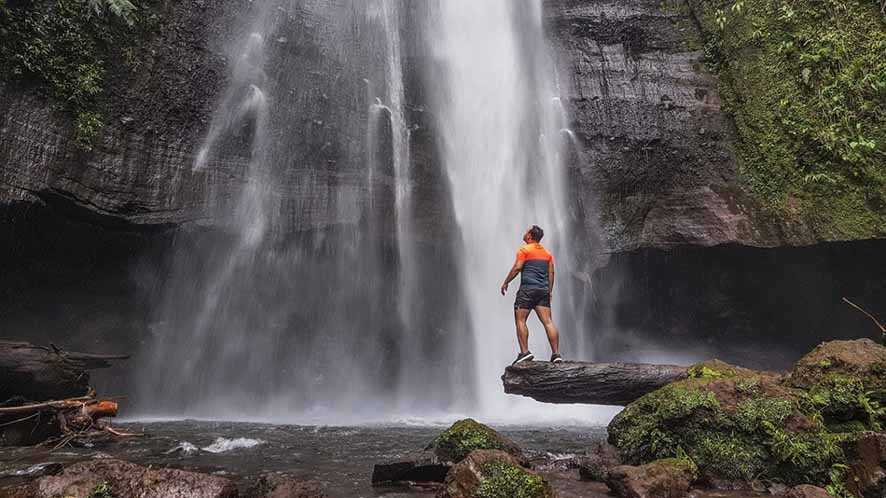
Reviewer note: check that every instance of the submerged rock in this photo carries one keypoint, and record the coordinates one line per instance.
(807, 491)
(669, 478)
(124, 479)
(283, 486)
(465, 436)
(493, 474)
(423, 469)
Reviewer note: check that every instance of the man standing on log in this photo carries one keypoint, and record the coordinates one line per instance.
(536, 266)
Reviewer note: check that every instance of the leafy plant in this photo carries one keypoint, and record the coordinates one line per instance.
(63, 48)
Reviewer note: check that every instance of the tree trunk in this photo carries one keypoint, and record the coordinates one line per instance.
(36, 373)
(614, 384)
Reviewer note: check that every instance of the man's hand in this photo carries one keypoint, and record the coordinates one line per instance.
(504, 288)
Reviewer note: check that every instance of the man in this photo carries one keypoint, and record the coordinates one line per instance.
(536, 266)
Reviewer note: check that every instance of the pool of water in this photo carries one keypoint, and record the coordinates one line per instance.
(340, 457)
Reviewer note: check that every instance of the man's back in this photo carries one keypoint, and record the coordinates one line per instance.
(535, 260)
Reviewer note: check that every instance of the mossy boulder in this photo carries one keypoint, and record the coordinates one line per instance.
(845, 381)
(861, 359)
(740, 424)
(733, 423)
(493, 474)
(465, 436)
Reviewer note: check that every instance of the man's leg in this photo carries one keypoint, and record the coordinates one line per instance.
(544, 314)
(520, 316)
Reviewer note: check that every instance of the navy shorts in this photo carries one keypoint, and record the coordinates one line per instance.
(528, 299)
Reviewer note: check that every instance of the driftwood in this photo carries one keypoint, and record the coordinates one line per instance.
(39, 373)
(57, 422)
(614, 384)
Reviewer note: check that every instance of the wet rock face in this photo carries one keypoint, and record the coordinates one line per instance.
(653, 144)
(157, 113)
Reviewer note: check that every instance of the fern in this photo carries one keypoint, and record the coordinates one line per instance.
(124, 9)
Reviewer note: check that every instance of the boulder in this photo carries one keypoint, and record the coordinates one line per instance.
(596, 464)
(669, 478)
(807, 491)
(465, 436)
(283, 486)
(119, 478)
(493, 474)
(862, 359)
(739, 424)
(867, 473)
(846, 381)
(736, 424)
(422, 469)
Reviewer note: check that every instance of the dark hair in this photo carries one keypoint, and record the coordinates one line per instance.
(536, 233)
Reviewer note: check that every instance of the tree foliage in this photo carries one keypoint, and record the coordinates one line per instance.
(63, 48)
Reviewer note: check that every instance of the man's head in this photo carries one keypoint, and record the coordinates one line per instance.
(534, 234)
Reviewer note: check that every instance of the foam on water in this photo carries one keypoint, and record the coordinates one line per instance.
(223, 445)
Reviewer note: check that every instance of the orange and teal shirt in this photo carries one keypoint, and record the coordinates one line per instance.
(535, 260)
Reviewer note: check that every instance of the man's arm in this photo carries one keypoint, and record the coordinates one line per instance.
(516, 269)
(551, 277)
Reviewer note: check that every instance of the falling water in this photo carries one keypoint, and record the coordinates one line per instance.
(272, 315)
(501, 121)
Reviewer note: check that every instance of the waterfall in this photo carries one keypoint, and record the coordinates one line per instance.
(330, 283)
(501, 122)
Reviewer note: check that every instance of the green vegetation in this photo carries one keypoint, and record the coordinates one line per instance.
(64, 48)
(682, 464)
(102, 490)
(504, 480)
(738, 424)
(467, 435)
(805, 82)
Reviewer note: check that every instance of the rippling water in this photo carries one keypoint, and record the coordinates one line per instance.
(340, 457)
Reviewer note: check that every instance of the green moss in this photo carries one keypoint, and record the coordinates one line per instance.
(102, 490)
(716, 369)
(63, 49)
(734, 428)
(682, 463)
(805, 82)
(803, 456)
(505, 480)
(730, 455)
(702, 371)
(650, 428)
(467, 435)
(845, 404)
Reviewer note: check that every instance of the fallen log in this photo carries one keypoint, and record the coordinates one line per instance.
(37, 373)
(615, 384)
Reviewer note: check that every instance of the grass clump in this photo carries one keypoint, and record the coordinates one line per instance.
(505, 480)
